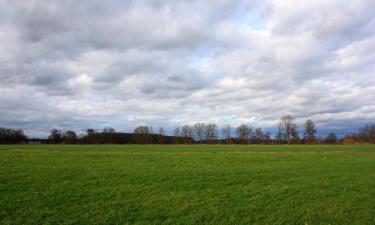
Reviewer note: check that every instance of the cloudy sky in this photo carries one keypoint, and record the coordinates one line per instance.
(77, 64)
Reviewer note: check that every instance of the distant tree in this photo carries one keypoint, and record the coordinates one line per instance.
(108, 135)
(176, 135)
(12, 136)
(176, 132)
(280, 137)
(186, 131)
(244, 134)
(267, 138)
(90, 136)
(142, 130)
(331, 138)
(259, 136)
(187, 134)
(227, 134)
(161, 136)
(19, 136)
(310, 132)
(295, 136)
(366, 134)
(288, 128)
(199, 132)
(55, 137)
(161, 131)
(211, 132)
(142, 134)
(70, 137)
(109, 130)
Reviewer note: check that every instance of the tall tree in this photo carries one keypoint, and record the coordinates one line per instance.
(366, 134)
(211, 132)
(142, 134)
(199, 131)
(55, 137)
(295, 136)
(267, 138)
(176, 135)
(161, 131)
(259, 136)
(187, 134)
(161, 136)
(244, 134)
(70, 137)
(310, 132)
(288, 128)
(176, 132)
(279, 135)
(227, 134)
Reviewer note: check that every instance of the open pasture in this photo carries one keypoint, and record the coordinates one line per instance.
(197, 184)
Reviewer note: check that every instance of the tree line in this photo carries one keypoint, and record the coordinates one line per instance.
(11, 136)
(198, 133)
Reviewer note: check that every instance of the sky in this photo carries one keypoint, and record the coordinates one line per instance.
(78, 64)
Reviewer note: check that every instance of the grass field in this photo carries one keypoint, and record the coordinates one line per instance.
(134, 184)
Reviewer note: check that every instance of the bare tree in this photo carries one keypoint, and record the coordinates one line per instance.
(259, 136)
(186, 131)
(295, 136)
(288, 129)
(279, 135)
(267, 138)
(211, 132)
(142, 134)
(244, 134)
(366, 134)
(187, 134)
(176, 134)
(199, 131)
(161, 131)
(310, 132)
(160, 136)
(226, 132)
(142, 130)
(11, 136)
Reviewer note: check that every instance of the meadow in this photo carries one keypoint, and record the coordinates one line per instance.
(182, 184)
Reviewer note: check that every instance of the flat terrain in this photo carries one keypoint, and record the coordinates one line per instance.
(135, 184)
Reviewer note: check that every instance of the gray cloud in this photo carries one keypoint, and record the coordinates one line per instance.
(78, 64)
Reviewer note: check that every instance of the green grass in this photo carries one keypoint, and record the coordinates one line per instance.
(135, 184)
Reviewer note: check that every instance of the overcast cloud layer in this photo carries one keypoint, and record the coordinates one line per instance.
(92, 63)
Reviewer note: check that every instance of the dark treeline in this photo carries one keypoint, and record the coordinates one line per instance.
(140, 135)
(11, 136)
(199, 133)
